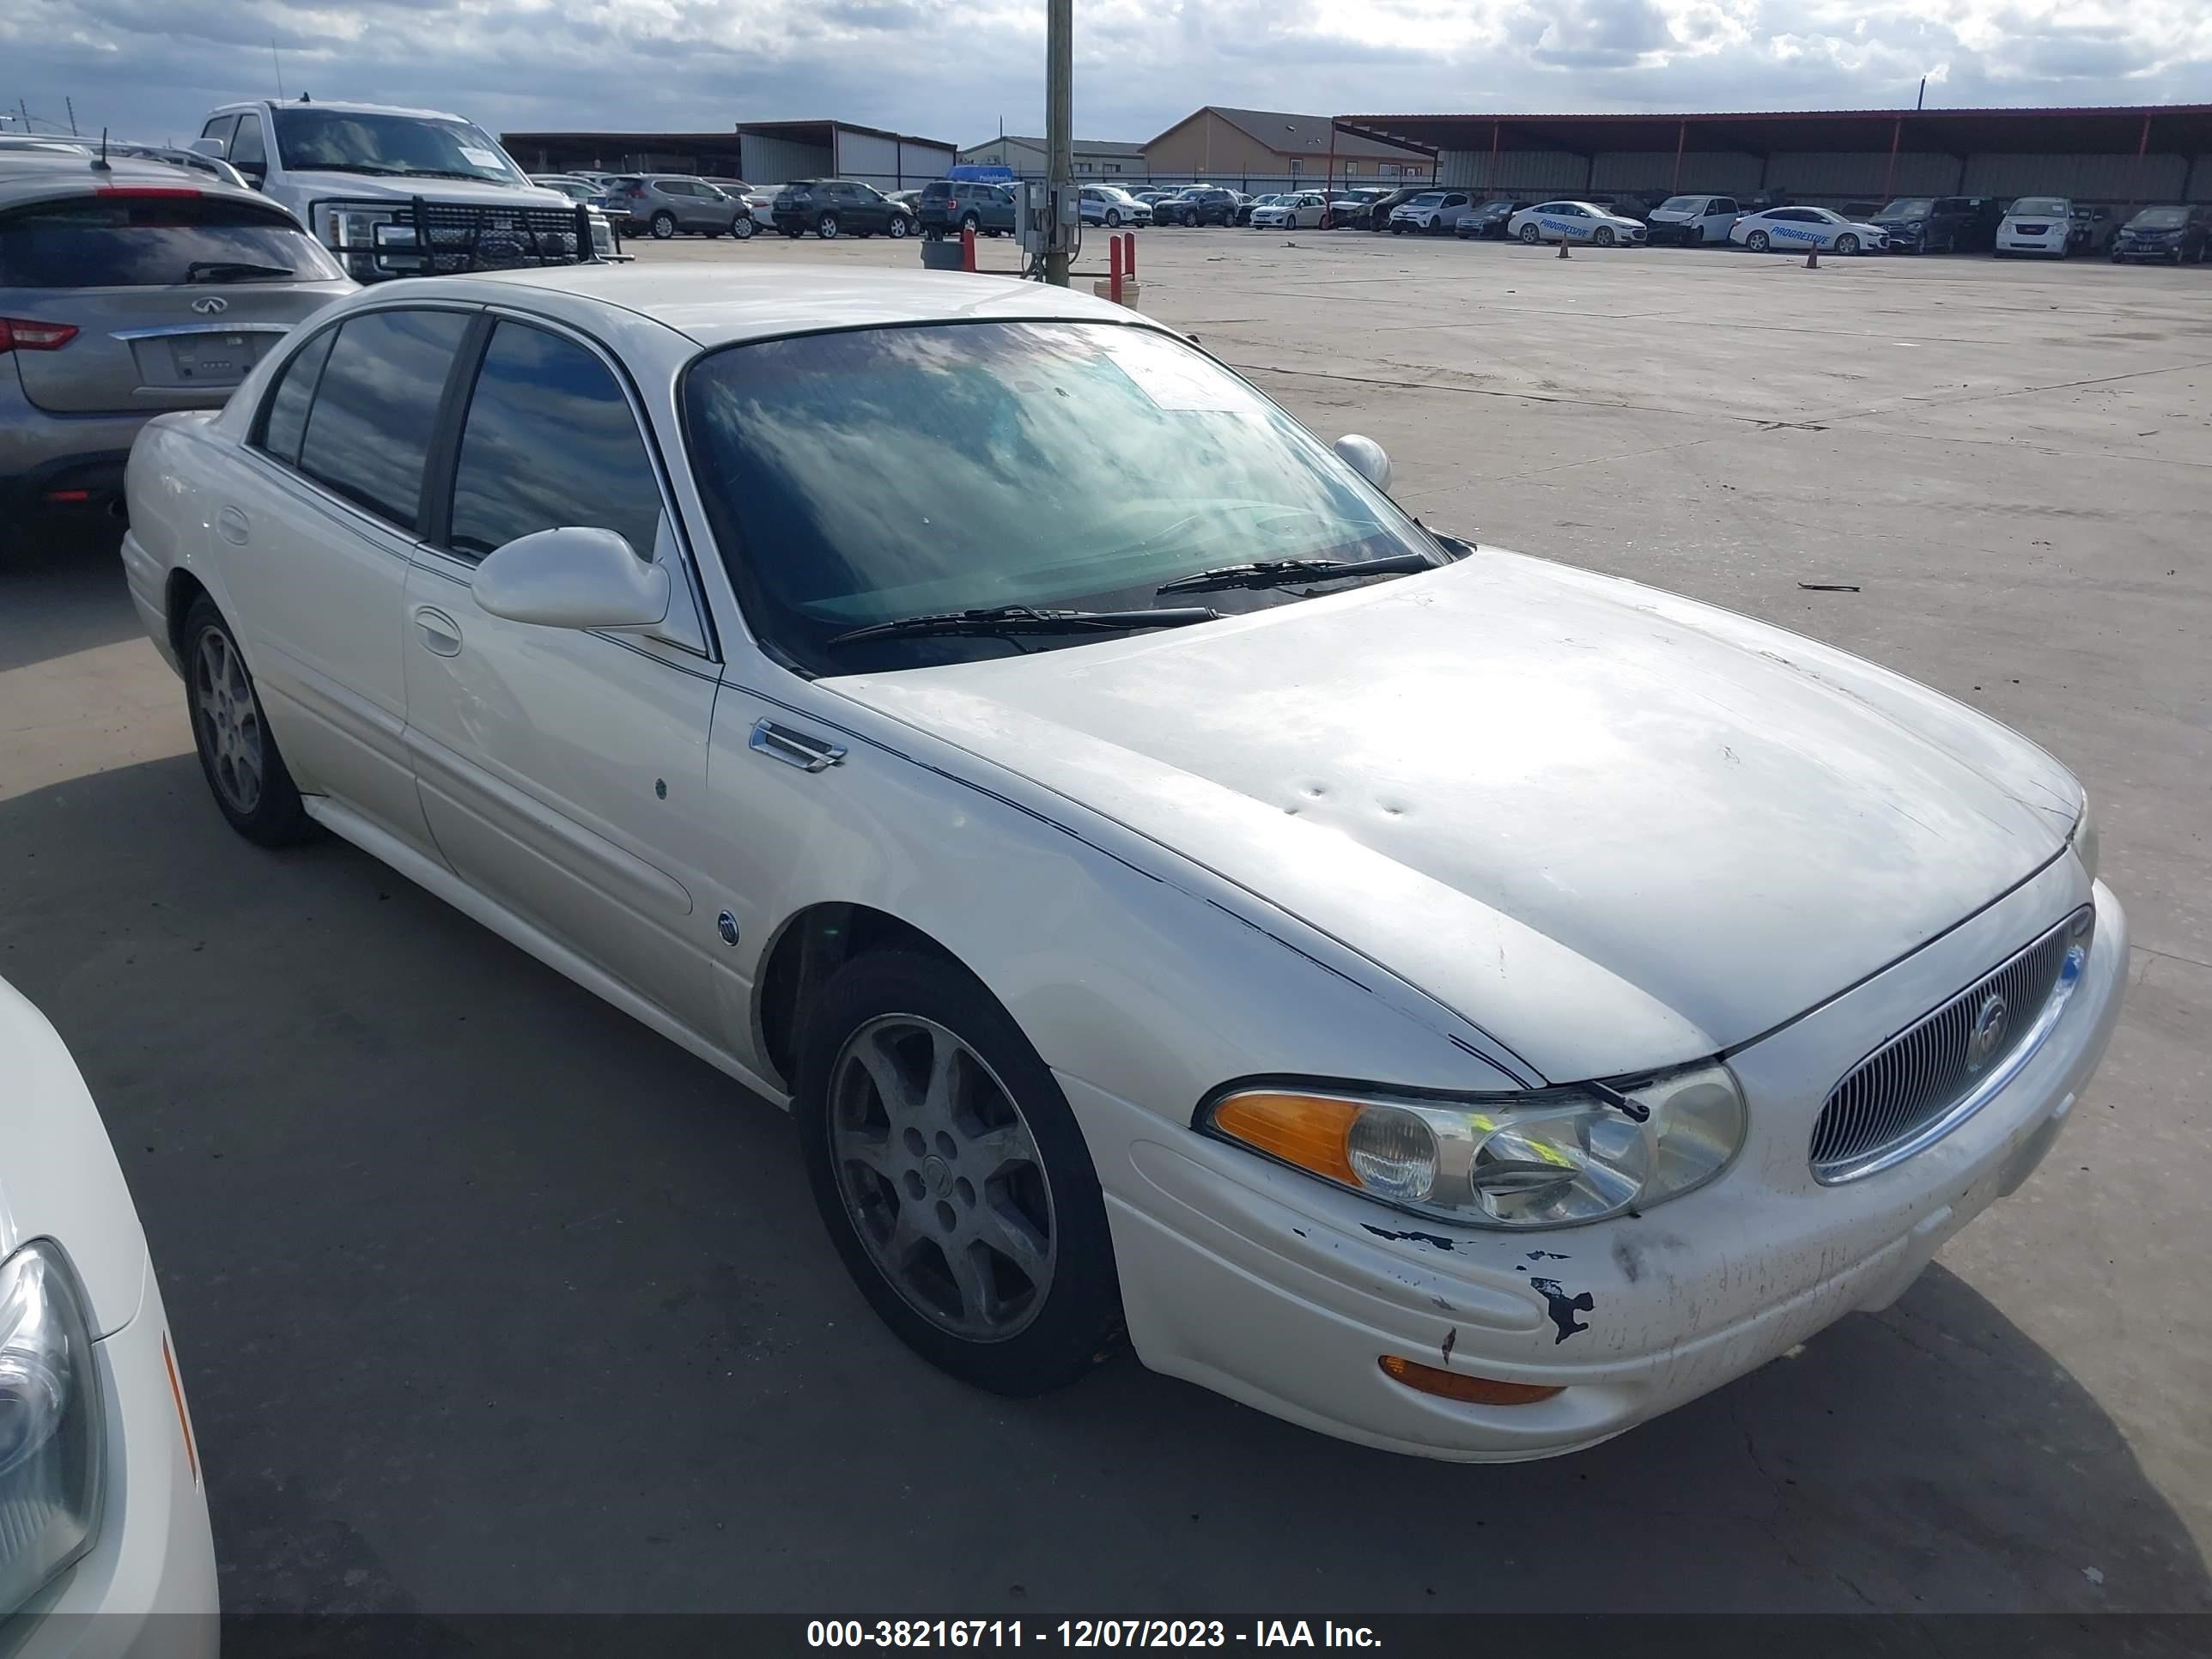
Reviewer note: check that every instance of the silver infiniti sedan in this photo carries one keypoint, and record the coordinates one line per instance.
(1448, 1000)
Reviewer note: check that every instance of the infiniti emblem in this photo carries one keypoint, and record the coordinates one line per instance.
(1989, 1032)
(211, 305)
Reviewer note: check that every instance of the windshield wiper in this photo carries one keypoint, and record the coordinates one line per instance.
(1275, 572)
(354, 167)
(225, 270)
(450, 172)
(1024, 619)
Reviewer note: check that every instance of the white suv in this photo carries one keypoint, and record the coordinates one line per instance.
(354, 174)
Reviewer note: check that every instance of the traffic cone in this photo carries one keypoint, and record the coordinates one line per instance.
(966, 247)
(1812, 258)
(1564, 254)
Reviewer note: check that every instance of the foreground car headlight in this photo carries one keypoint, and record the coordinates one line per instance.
(1554, 1158)
(2085, 838)
(51, 1424)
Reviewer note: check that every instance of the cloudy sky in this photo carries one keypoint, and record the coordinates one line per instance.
(954, 69)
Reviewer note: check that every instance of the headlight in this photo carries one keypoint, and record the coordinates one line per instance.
(1552, 1158)
(2085, 837)
(51, 1424)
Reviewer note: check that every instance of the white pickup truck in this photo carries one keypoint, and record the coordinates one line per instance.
(401, 192)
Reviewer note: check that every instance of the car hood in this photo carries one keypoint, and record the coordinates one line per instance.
(1614, 829)
(367, 187)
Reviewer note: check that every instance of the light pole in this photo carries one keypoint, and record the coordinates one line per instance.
(1059, 131)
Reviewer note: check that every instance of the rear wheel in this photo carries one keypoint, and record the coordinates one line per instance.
(826, 227)
(238, 752)
(1758, 241)
(970, 221)
(953, 1176)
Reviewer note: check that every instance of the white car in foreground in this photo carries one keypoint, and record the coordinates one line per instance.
(1798, 229)
(1574, 221)
(101, 1506)
(1224, 910)
(2041, 225)
(1306, 210)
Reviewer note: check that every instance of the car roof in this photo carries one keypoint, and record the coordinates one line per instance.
(343, 106)
(707, 305)
(35, 175)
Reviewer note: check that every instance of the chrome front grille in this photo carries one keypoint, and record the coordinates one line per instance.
(1936, 1073)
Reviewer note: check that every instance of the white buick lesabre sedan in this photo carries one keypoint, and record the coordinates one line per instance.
(1446, 998)
(102, 1510)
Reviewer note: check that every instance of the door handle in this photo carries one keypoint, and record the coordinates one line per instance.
(809, 754)
(233, 526)
(442, 635)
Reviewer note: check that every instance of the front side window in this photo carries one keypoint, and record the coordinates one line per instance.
(322, 140)
(874, 474)
(548, 441)
(369, 431)
(247, 152)
(221, 127)
(120, 239)
(284, 419)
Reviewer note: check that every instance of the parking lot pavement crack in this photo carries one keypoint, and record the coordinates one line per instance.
(1940, 400)
(1416, 385)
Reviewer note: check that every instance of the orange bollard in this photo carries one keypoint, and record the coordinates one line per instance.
(966, 248)
(1114, 269)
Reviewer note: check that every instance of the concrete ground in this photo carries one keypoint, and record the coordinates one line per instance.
(488, 1298)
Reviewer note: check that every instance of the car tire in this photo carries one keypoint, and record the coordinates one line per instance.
(1189, 220)
(1530, 236)
(970, 221)
(664, 226)
(911, 1079)
(1847, 245)
(1603, 236)
(238, 757)
(897, 228)
(742, 229)
(1113, 218)
(1759, 241)
(826, 227)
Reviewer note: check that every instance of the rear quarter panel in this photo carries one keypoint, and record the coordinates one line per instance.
(169, 518)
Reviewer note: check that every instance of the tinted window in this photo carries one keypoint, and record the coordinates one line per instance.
(247, 152)
(286, 418)
(549, 442)
(221, 127)
(370, 430)
(141, 241)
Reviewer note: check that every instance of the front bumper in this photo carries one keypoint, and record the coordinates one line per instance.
(2052, 244)
(1282, 1292)
(2169, 251)
(147, 1590)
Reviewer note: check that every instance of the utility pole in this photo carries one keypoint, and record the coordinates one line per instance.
(1059, 127)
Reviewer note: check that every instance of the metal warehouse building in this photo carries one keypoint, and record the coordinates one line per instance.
(759, 152)
(2160, 153)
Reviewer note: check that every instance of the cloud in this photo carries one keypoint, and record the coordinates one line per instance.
(953, 69)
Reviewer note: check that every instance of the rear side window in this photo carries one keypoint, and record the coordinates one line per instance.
(123, 240)
(285, 420)
(549, 440)
(369, 431)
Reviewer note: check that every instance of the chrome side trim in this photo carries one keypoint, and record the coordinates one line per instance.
(1835, 1172)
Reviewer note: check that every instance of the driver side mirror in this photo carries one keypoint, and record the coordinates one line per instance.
(1366, 458)
(571, 577)
(207, 147)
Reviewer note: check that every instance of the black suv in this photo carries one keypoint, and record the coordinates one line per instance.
(949, 206)
(835, 207)
(1941, 224)
(1201, 204)
(2165, 232)
(1376, 215)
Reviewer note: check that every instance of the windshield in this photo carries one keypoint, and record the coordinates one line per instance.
(885, 472)
(2039, 204)
(151, 241)
(411, 146)
(1499, 205)
(2159, 218)
(1909, 207)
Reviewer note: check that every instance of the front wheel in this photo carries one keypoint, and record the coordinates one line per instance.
(826, 227)
(1603, 236)
(1113, 218)
(664, 226)
(1189, 220)
(953, 1176)
(742, 228)
(897, 228)
(1847, 245)
(238, 752)
(1530, 236)
(1328, 221)
(1758, 241)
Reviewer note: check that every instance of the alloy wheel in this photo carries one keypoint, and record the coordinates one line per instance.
(942, 1178)
(1531, 235)
(896, 230)
(826, 227)
(232, 716)
(664, 226)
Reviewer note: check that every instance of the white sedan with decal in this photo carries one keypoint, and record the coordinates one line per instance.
(1797, 229)
(1142, 932)
(1575, 222)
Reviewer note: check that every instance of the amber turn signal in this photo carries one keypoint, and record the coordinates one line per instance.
(1456, 1385)
(1307, 1130)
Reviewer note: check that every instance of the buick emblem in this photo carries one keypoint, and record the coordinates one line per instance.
(212, 305)
(1989, 1033)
